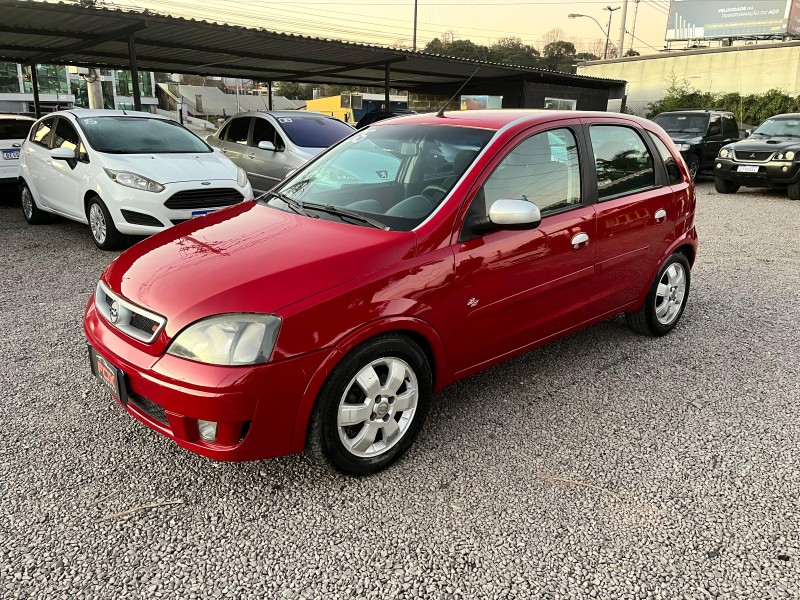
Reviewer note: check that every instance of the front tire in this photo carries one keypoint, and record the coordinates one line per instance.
(372, 407)
(694, 166)
(666, 299)
(793, 191)
(723, 186)
(104, 233)
(32, 213)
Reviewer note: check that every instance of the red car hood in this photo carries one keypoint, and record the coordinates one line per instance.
(249, 258)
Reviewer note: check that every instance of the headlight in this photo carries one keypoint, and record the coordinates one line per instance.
(724, 153)
(684, 147)
(241, 177)
(790, 155)
(132, 180)
(234, 339)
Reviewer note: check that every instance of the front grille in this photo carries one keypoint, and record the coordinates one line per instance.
(148, 407)
(129, 318)
(178, 221)
(142, 323)
(755, 156)
(137, 218)
(204, 198)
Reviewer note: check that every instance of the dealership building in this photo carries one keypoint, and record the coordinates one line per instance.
(758, 50)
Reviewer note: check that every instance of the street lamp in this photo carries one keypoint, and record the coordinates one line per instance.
(606, 32)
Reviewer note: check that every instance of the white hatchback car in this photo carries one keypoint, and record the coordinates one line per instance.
(123, 173)
(13, 130)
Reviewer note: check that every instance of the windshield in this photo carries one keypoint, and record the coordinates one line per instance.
(779, 128)
(396, 175)
(683, 122)
(140, 135)
(14, 129)
(313, 132)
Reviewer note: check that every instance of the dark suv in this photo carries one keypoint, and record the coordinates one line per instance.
(699, 135)
(770, 157)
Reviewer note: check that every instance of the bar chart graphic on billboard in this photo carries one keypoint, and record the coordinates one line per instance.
(699, 19)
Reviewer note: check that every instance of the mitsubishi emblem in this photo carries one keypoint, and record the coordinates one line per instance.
(752, 155)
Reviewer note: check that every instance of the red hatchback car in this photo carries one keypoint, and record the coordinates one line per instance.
(323, 315)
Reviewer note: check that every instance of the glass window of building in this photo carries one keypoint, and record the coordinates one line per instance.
(52, 79)
(125, 83)
(9, 79)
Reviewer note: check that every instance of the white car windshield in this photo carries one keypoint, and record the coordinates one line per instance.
(140, 135)
(394, 176)
(779, 128)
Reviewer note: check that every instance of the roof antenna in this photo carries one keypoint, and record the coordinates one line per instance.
(440, 112)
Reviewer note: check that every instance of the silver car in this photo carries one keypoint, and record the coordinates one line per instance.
(268, 145)
(13, 131)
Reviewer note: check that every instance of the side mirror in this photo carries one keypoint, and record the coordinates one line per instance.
(513, 214)
(748, 132)
(62, 154)
(265, 145)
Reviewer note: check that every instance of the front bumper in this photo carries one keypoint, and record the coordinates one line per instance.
(255, 407)
(769, 174)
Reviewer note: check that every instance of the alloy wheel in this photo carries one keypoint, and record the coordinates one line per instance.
(27, 203)
(97, 221)
(377, 407)
(670, 294)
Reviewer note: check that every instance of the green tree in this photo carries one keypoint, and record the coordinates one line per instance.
(632, 52)
(559, 49)
(293, 91)
(511, 50)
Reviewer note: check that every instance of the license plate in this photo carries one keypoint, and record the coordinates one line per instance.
(109, 375)
(747, 169)
(200, 213)
(10, 154)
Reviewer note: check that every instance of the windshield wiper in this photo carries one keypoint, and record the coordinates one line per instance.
(295, 205)
(343, 212)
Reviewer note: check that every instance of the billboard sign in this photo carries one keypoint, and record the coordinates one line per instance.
(794, 19)
(699, 19)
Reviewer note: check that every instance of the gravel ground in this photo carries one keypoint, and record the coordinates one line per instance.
(605, 465)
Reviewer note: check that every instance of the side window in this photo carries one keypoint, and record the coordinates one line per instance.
(238, 130)
(264, 131)
(715, 125)
(729, 128)
(623, 162)
(222, 133)
(543, 169)
(673, 171)
(65, 136)
(41, 133)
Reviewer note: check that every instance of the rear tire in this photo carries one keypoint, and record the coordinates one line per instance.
(793, 191)
(372, 407)
(104, 233)
(723, 186)
(666, 300)
(32, 213)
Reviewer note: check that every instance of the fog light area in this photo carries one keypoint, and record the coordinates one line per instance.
(207, 430)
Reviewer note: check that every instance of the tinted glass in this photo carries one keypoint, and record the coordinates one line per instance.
(309, 132)
(683, 122)
(715, 125)
(237, 130)
(14, 129)
(41, 135)
(363, 173)
(779, 128)
(729, 128)
(263, 131)
(65, 136)
(673, 171)
(139, 135)
(622, 160)
(543, 169)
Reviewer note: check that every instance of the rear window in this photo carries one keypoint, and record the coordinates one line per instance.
(314, 133)
(683, 122)
(140, 135)
(14, 129)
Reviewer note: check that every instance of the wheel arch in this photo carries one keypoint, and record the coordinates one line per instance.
(686, 245)
(420, 332)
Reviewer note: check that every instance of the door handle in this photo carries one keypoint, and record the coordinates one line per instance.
(251, 155)
(15, 145)
(660, 215)
(579, 240)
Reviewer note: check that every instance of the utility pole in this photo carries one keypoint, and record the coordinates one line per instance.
(94, 88)
(608, 28)
(415, 25)
(622, 28)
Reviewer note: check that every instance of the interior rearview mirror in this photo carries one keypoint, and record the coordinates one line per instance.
(266, 145)
(62, 154)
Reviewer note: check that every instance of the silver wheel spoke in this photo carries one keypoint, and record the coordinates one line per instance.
(353, 414)
(397, 374)
(365, 438)
(662, 289)
(390, 430)
(369, 383)
(406, 401)
(662, 309)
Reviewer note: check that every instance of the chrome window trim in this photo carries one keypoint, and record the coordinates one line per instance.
(126, 309)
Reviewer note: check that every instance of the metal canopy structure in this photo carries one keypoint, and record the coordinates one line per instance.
(40, 32)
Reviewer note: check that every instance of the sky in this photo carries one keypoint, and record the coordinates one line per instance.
(390, 22)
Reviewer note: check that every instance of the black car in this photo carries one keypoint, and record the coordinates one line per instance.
(381, 114)
(699, 134)
(770, 157)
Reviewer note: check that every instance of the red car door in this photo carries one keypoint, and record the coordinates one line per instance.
(514, 288)
(635, 214)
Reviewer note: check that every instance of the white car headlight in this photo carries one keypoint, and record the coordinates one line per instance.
(724, 153)
(684, 147)
(132, 180)
(790, 155)
(233, 339)
(241, 177)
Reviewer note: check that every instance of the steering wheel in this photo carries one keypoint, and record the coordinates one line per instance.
(434, 188)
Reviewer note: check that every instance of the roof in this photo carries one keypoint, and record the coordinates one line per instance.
(83, 113)
(304, 114)
(97, 37)
(217, 102)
